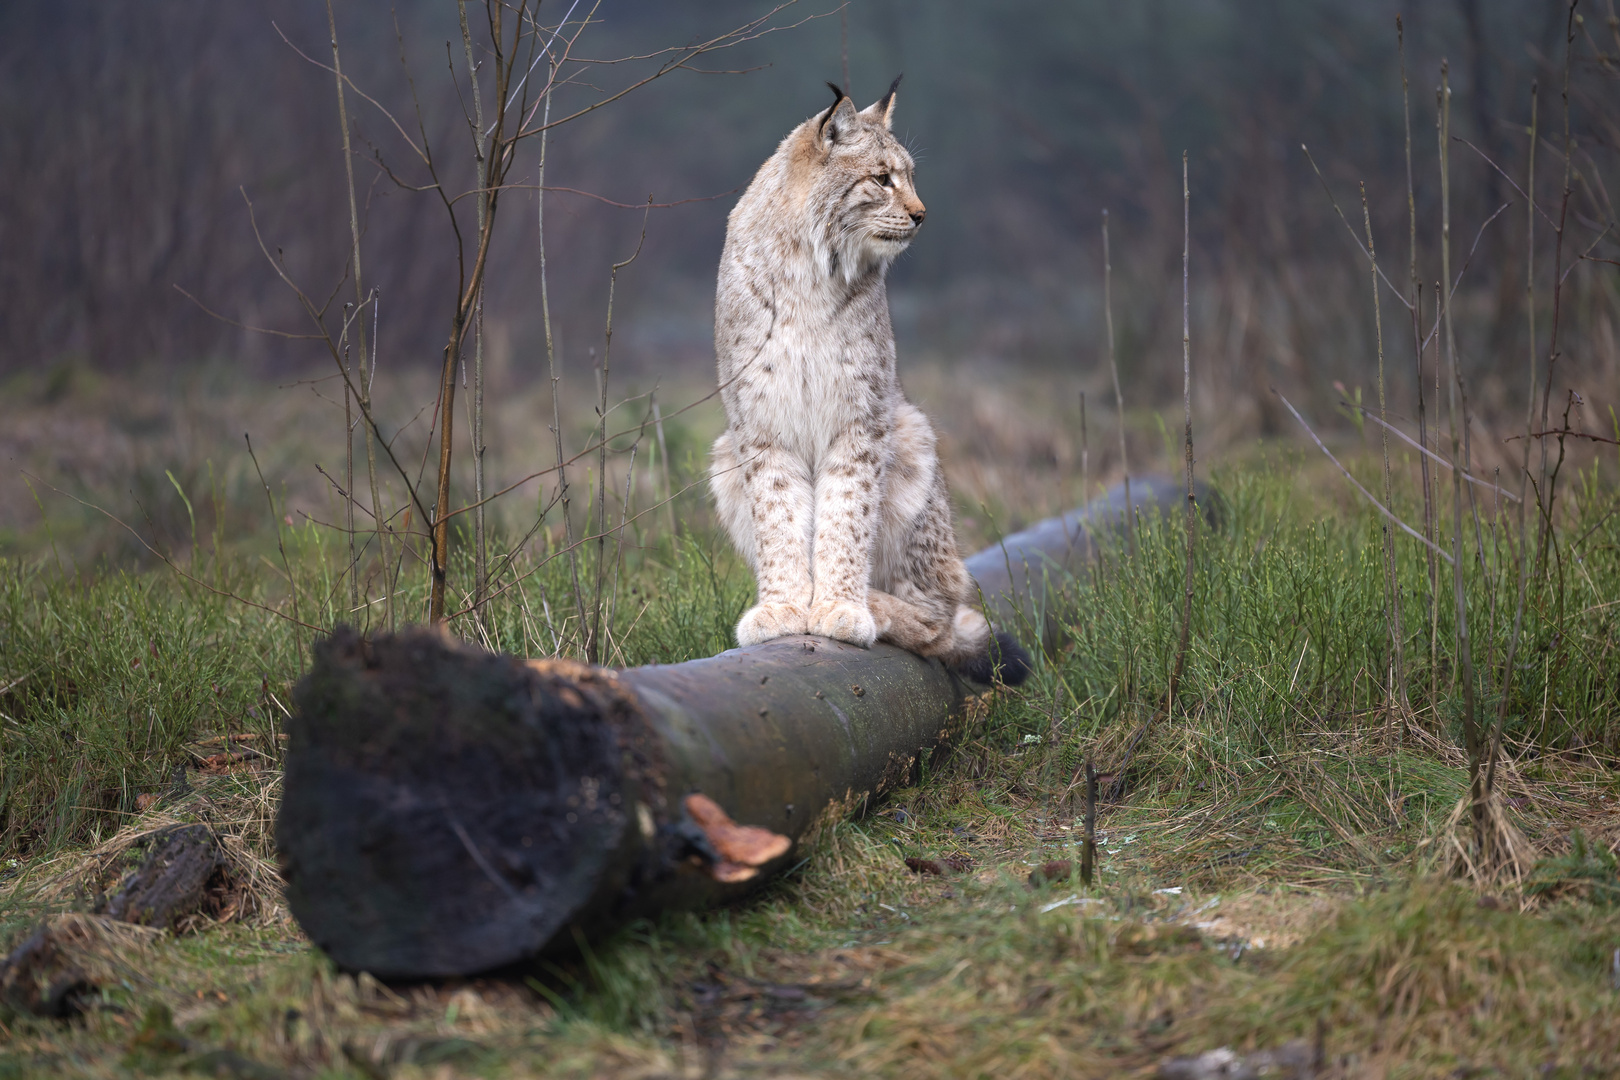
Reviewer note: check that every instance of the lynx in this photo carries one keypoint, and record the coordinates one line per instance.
(826, 478)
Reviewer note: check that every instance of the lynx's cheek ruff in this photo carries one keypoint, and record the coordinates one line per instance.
(826, 478)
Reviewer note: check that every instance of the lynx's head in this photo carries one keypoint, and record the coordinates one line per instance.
(854, 181)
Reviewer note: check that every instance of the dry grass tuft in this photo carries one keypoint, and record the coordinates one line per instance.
(239, 810)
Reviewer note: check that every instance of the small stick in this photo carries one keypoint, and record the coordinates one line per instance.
(1088, 850)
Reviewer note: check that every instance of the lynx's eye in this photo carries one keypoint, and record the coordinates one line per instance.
(884, 179)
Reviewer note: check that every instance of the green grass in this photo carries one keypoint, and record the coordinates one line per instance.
(1280, 788)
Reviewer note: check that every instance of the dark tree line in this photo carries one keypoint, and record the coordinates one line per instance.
(128, 133)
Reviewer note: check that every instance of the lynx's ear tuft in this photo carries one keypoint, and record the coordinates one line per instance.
(883, 108)
(840, 119)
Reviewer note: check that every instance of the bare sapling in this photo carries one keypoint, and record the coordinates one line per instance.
(1545, 496)
(1485, 847)
(359, 390)
(494, 152)
(1119, 396)
(1415, 306)
(1187, 440)
(482, 202)
(561, 497)
(1434, 594)
(593, 647)
(1397, 699)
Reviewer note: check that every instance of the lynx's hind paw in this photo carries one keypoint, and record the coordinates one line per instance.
(844, 620)
(762, 622)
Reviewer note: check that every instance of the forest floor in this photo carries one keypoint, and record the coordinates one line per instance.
(1284, 877)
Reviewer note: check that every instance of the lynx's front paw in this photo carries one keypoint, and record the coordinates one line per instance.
(762, 622)
(845, 621)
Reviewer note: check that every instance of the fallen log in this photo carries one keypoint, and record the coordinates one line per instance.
(447, 811)
(1014, 575)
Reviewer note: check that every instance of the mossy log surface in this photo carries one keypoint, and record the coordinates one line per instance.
(448, 811)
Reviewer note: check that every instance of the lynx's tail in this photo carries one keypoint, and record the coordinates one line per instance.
(984, 654)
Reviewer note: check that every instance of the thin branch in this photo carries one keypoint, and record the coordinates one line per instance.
(1409, 441)
(1382, 509)
(226, 319)
(1351, 228)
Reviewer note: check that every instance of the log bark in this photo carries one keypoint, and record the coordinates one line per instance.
(1015, 575)
(447, 811)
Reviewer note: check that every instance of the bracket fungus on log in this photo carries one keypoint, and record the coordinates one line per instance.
(447, 811)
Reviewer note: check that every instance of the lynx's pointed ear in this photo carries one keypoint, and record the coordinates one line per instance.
(883, 108)
(839, 120)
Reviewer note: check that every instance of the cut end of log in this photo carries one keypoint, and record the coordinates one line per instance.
(742, 849)
(448, 810)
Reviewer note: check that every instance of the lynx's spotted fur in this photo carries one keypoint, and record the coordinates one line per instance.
(826, 477)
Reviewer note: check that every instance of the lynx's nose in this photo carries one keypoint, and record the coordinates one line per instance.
(918, 214)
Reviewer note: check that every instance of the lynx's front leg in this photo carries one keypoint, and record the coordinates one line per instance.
(849, 485)
(765, 501)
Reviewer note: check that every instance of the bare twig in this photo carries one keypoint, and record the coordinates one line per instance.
(1478, 481)
(1352, 229)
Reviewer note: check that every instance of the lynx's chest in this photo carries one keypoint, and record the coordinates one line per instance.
(822, 372)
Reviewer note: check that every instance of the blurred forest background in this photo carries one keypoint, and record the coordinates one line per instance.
(129, 133)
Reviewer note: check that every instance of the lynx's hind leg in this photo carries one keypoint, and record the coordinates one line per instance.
(930, 599)
(922, 628)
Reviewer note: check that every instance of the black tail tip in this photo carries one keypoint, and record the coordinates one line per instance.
(1005, 661)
